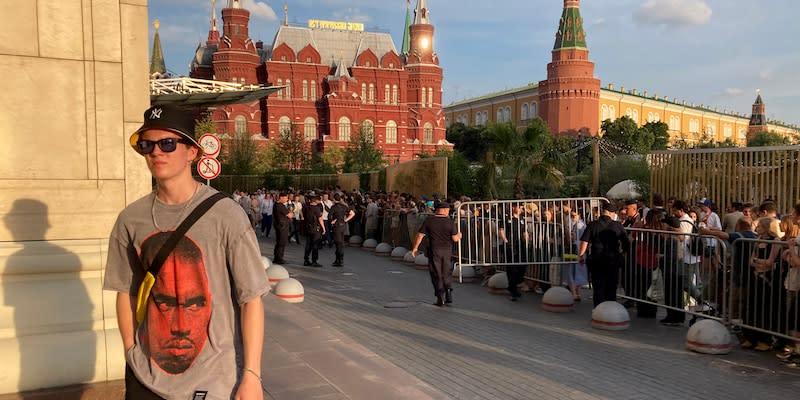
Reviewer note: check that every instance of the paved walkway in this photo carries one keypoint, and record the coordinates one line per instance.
(368, 331)
(486, 347)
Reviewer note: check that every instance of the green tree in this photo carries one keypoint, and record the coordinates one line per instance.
(205, 125)
(620, 168)
(239, 156)
(469, 140)
(660, 133)
(361, 154)
(763, 139)
(527, 154)
(625, 132)
(291, 152)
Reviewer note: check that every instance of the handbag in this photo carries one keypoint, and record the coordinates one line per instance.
(656, 289)
(158, 261)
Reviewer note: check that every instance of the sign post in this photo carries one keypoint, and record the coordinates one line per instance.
(209, 167)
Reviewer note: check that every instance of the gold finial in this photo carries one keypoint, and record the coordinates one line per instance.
(156, 24)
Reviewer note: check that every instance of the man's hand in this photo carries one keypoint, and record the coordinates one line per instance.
(249, 388)
(414, 252)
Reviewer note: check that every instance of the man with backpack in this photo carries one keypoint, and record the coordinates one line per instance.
(192, 323)
(689, 251)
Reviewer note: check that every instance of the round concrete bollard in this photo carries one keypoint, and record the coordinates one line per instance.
(558, 299)
(421, 262)
(355, 241)
(290, 290)
(383, 249)
(498, 283)
(266, 262)
(467, 273)
(610, 316)
(398, 253)
(708, 337)
(369, 244)
(276, 273)
(409, 258)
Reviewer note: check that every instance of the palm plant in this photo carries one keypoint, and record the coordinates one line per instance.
(529, 153)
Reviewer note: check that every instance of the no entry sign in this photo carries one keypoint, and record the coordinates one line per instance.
(209, 168)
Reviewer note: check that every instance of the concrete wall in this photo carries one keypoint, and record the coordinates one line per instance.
(75, 87)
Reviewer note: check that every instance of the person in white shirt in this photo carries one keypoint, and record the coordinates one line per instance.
(687, 274)
(295, 205)
(265, 206)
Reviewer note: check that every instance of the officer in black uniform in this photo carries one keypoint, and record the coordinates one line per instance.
(608, 241)
(315, 228)
(339, 215)
(442, 232)
(281, 217)
(514, 235)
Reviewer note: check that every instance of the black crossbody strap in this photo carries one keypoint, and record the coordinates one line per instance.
(187, 223)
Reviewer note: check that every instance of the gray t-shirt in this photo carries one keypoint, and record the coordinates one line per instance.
(190, 340)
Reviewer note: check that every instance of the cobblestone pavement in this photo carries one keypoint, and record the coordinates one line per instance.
(486, 347)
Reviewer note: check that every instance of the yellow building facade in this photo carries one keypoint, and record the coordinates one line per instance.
(688, 122)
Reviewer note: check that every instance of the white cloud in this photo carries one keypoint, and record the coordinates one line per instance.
(679, 13)
(352, 14)
(260, 10)
(765, 74)
(733, 91)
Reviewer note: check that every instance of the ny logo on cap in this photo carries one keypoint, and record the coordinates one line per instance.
(156, 113)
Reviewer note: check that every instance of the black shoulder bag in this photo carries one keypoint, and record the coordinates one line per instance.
(152, 271)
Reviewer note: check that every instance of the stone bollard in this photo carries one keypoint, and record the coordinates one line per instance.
(266, 262)
(708, 336)
(398, 253)
(409, 258)
(558, 299)
(610, 316)
(355, 241)
(383, 249)
(421, 262)
(290, 290)
(498, 283)
(467, 273)
(276, 273)
(369, 244)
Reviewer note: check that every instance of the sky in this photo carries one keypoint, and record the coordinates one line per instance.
(718, 53)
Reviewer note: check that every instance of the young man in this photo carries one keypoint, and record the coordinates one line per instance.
(283, 216)
(202, 330)
(315, 230)
(608, 241)
(442, 232)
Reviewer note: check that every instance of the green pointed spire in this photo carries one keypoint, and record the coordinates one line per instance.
(570, 33)
(406, 35)
(157, 64)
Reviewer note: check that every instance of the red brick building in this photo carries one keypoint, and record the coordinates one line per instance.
(336, 82)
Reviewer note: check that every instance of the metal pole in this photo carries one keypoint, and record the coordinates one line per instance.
(595, 167)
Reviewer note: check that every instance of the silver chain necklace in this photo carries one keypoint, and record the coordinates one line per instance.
(183, 210)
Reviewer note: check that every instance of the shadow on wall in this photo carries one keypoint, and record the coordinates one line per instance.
(52, 311)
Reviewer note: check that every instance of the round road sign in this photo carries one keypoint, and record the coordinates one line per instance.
(210, 144)
(209, 168)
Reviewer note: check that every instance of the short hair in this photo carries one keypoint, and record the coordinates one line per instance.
(337, 196)
(680, 205)
(658, 200)
(768, 207)
(744, 224)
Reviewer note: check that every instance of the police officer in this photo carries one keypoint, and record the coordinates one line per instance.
(315, 229)
(515, 238)
(339, 215)
(608, 241)
(442, 232)
(282, 216)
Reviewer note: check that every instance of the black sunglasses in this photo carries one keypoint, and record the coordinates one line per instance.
(167, 145)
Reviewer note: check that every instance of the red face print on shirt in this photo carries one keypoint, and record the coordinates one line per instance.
(179, 308)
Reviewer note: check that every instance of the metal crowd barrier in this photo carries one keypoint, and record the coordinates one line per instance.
(399, 227)
(533, 233)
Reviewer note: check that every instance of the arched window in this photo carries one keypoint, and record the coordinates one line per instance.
(280, 92)
(368, 130)
(430, 97)
(650, 117)
(427, 133)
(387, 94)
(344, 129)
(499, 116)
(314, 90)
(371, 93)
(394, 95)
(523, 113)
(391, 132)
(288, 88)
(422, 97)
(310, 129)
(742, 133)
(635, 116)
(240, 125)
(284, 125)
(507, 114)
(603, 112)
(612, 113)
(364, 93)
(657, 117)
(727, 131)
(305, 90)
(534, 111)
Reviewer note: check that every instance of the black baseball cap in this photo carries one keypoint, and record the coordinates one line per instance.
(169, 118)
(441, 204)
(610, 207)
